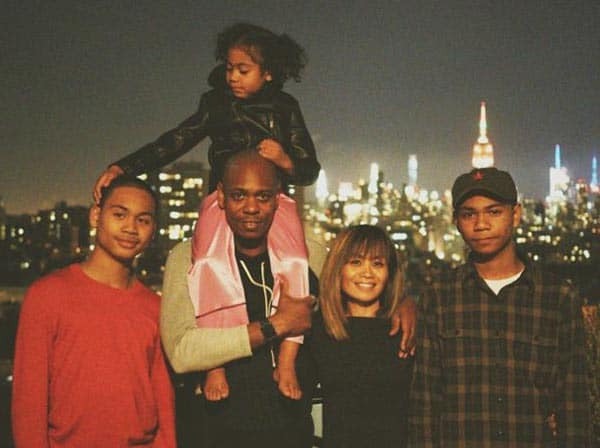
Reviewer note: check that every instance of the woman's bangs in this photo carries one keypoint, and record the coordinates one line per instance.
(365, 247)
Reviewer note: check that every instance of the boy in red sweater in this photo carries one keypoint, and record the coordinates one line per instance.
(89, 369)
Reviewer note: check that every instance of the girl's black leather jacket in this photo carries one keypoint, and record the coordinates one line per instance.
(234, 124)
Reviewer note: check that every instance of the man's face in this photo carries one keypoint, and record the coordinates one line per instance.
(125, 223)
(248, 195)
(487, 225)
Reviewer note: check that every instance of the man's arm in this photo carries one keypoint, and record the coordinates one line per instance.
(573, 407)
(425, 395)
(190, 348)
(406, 319)
(168, 147)
(31, 374)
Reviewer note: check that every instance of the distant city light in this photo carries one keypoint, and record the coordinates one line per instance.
(321, 191)
(373, 179)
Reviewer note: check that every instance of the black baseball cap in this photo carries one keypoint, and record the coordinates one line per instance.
(489, 182)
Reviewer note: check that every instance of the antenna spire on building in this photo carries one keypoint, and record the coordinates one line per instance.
(483, 151)
(557, 156)
(594, 181)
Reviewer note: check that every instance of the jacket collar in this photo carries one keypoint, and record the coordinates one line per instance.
(531, 274)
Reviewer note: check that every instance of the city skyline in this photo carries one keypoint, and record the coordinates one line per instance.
(333, 185)
(86, 84)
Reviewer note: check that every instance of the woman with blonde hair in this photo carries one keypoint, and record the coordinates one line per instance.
(365, 384)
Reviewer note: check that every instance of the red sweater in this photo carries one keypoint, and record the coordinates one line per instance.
(89, 369)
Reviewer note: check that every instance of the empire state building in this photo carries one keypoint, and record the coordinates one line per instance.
(483, 151)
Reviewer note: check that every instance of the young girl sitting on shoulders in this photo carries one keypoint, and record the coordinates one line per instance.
(365, 384)
(245, 109)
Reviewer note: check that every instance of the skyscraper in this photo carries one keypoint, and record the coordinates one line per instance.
(374, 179)
(594, 178)
(321, 191)
(559, 178)
(413, 166)
(181, 188)
(483, 152)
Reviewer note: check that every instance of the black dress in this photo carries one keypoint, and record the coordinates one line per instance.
(365, 385)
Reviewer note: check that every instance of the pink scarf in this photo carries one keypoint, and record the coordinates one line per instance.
(214, 279)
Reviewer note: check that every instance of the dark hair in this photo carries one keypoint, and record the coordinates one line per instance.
(280, 55)
(126, 180)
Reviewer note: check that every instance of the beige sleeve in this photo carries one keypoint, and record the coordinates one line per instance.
(188, 347)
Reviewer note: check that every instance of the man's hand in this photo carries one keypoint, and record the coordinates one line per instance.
(272, 150)
(105, 179)
(293, 316)
(405, 318)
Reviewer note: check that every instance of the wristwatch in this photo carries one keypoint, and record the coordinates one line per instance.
(268, 331)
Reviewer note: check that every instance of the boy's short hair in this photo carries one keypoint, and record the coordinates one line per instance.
(127, 180)
(489, 182)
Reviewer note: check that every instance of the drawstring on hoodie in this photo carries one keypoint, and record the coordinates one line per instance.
(267, 295)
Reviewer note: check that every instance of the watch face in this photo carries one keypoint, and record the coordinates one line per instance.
(267, 330)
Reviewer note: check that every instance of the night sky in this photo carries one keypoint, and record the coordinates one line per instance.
(85, 83)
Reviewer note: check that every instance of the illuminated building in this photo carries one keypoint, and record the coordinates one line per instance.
(64, 229)
(594, 177)
(373, 179)
(31, 245)
(321, 191)
(347, 191)
(181, 187)
(559, 179)
(483, 152)
(297, 194)
(413, 166)
(19, 259)
(3, 227)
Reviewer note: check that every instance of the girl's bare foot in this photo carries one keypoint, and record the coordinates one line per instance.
(288, 382)
(216, 387)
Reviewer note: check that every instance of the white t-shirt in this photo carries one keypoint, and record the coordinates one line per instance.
(497, 285)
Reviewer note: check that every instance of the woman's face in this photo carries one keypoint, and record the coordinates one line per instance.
(364, 280)
(244, 76)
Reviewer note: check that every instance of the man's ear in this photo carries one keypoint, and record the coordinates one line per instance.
(220, 195)
(94, 216)
(268, 76)
(517, 215)
(456, 224)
